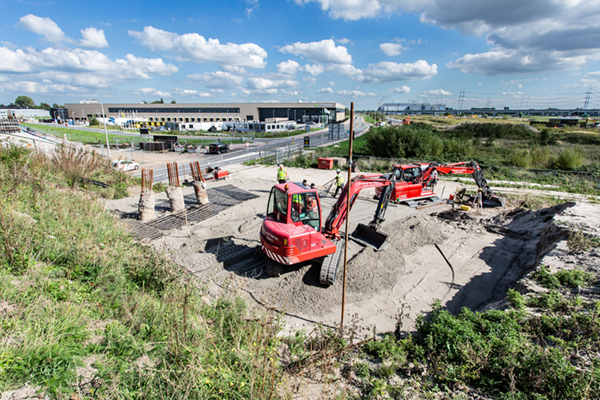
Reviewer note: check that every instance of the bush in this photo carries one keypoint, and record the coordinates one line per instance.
(414, 141)
(472, 130)
(569, 158)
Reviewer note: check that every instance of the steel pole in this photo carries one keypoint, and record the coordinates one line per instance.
(347, 216)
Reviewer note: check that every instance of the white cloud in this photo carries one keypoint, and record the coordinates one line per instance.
(314, 70)
(325, 90)
(234, 69)
(93, 38)
(30, 87)
(514, 81)
(43, 26)
(267, 84)
(595, 73)
(438, 92)
(401, 89)
(193, 47)
(344, 41)
(331, 83)
(81, 65)
(150, 92)
(354, 93)
(310, 80)
(288, 67)
(498, 62)
(217, 79)
(192, 93)
(393, 72)
(324, 51)
(584, 84)
(391, 49)
(343, 69)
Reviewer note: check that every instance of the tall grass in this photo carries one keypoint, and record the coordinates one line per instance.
(94, 314)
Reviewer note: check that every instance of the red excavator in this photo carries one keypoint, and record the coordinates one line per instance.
(292, 233)
(415, 182)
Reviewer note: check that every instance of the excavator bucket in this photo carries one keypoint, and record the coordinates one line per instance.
(371, 237)
(494, 201)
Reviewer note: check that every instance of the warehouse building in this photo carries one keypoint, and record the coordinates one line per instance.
(202, 116)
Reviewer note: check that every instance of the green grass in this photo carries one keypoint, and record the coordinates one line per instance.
(80, 291)
(89, 137)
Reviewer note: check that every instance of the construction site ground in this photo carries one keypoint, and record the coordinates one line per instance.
(464, 259)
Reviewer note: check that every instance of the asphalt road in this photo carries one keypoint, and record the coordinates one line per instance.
(259, 147)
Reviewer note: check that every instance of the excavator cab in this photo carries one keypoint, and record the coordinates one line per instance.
(295, 207)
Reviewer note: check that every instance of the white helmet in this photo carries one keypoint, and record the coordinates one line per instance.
(338, 171)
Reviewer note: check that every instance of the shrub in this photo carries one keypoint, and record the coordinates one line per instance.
(569, 158)
(516, 299)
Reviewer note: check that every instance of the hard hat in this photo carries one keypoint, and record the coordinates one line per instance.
(338, 171)
(280, 165)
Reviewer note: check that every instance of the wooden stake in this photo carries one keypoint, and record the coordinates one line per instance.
(347, 213)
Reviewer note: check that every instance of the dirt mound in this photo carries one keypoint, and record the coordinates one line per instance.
(369, 272)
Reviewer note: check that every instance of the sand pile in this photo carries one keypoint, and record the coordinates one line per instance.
(369, 273)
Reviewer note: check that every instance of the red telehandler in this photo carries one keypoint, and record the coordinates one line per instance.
(292, 233)
(414, 182)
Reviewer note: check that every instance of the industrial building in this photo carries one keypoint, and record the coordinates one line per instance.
(17, 112)
(399, 108)
(202, 116)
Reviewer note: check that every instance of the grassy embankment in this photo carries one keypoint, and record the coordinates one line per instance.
(544, 347)
(87, 312)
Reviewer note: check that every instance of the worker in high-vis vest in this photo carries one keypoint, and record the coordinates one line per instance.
(281, 174)
(339, 181)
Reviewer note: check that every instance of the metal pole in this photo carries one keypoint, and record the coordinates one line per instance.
(347, 218)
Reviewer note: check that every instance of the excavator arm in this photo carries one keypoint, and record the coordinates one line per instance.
(465, 167)
(338, 213)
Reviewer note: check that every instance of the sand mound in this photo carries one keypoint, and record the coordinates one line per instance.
(369, 272)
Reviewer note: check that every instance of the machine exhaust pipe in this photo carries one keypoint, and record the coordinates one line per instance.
(371, 237)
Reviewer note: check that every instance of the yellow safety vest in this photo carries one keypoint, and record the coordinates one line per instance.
(281, 173)
(340, 179)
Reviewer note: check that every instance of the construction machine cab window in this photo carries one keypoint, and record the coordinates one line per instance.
(277, 206)
(408, 174)
(305, 209)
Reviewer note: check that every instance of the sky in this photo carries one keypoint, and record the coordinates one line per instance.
(510, 53)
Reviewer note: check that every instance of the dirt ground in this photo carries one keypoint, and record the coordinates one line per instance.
(463, 259)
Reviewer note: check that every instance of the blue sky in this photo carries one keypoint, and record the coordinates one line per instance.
(510, 53)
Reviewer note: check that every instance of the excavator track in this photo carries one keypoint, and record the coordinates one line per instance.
(330, 266)
(274, 268)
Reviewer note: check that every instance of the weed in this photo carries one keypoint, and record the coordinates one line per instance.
(159, 187)
(362, 369)
(564, 277)
(516, 299)
(579, 241)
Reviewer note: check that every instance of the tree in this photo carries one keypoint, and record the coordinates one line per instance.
(45, 106)
(24, 101)
(94, 121)
(55, 105)
(173, 102)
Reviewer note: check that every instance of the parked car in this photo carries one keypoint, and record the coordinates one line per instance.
(212, 129)
(125, 165)
(218, 148)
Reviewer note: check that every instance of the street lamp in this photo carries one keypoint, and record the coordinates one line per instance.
(105, 132)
